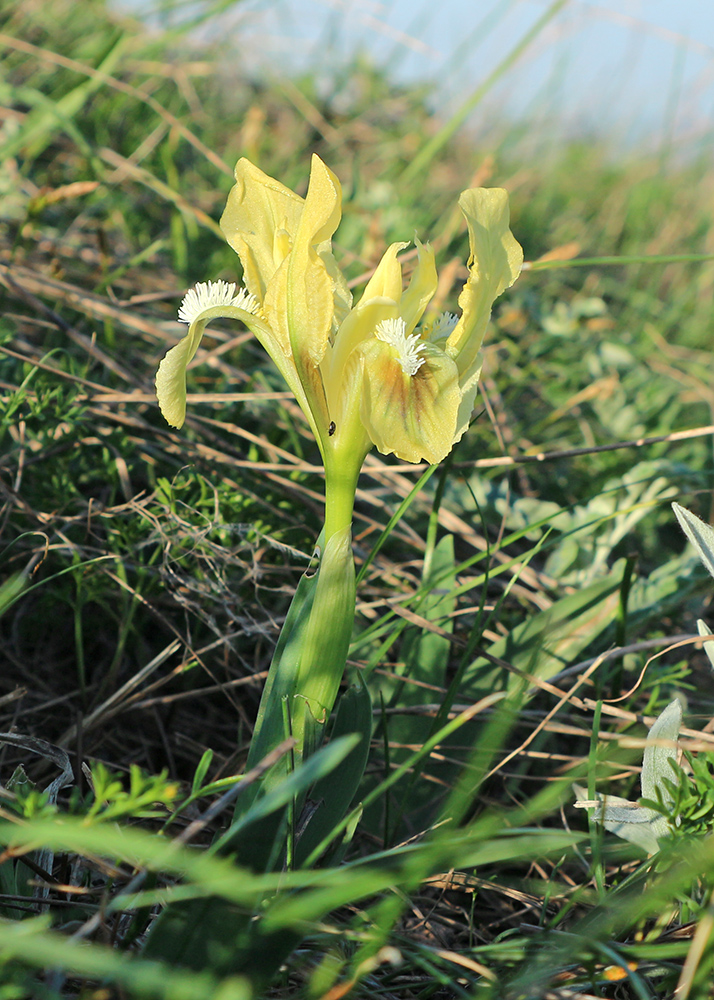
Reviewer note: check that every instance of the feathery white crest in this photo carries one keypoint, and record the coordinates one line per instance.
(443, 326)
(410, 349)
(214, 293)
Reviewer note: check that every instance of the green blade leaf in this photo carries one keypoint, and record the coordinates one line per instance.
(333, 794)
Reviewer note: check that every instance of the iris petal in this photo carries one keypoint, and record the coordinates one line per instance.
(494, 264)
(171, 375)
(386, 282)
(412, 416)
(259, 221)
(421, 287)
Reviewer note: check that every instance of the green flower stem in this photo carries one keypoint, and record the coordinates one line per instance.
(325, 643)
(341, 475)
(309, 661)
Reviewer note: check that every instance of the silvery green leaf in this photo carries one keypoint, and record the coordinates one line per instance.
(645, 833)
(708, 647)
(701, 535)
(626, 819)
(655, 763)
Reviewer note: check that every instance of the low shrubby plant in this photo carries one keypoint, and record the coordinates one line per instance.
(672, 799)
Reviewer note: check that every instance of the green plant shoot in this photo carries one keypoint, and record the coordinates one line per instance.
(382, 371)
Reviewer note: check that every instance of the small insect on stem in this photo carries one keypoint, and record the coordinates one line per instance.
(331, 429)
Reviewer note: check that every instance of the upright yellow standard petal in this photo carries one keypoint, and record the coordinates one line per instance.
(494, 264)
(323, 205)
(260, 220)
(341, 292)
(276, 311)
(421, 287)
(386, 282)
(468, 384)
(359, 324)
(310, 288)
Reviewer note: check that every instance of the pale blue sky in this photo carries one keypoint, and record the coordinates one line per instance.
(628, 68)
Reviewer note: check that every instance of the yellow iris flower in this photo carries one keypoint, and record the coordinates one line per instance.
(371, 373)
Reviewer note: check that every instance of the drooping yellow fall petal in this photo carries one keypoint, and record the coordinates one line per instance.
(259, 221)
(171, 380)
(202, 304)
(412, 415)
(494, 264)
